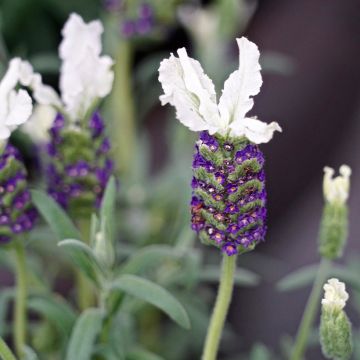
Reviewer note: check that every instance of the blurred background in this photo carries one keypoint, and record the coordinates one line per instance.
(310, 54)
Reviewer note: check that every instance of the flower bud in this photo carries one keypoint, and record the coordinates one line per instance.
(17, 214)
(103, 249)
(80, 165)
(228, 203)
(334, 223)
(335, 327)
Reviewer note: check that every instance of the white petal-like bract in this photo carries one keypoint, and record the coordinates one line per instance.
(37, 127)
(15, 105)
(336, 190)
(236, 99)
(175, 93)
(85, 76)
(79, 37)
(335, 296)
(192, 93)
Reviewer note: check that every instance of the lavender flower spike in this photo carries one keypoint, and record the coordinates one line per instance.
(229, 198)
(79, 163)
(17, 215)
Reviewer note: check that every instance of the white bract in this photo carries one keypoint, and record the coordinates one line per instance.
(335, 296)
(37, 127)
(336, 190)
(192, 93)
(85, 76)
(15, 105)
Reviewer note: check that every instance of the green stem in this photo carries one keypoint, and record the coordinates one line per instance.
(20, 300)
(85, 291)
(5, 352)
(123, 109)
(221, 308)
(310, 311)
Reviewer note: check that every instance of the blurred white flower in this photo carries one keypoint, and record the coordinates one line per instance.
(37, 127)
(336, 190)
(85, 76)
(335, 296)
(192, 93)
(15, 105)
(79, 38)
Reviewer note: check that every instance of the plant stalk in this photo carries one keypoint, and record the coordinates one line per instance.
(310, 311)
(20, 300)
(123, 109)
(221, 308)
(85, 291)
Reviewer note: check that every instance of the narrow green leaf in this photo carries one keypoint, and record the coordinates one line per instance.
(142, 354)
(84, 334)
(298, 279)
(84, 257)
(55, 310)
(5, 352)
(148, 257)
(107, 210)
(109, 199)
(153, 294)
(242, 277)
(55, 216)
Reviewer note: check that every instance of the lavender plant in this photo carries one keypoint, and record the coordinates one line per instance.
(17, 214)
(79, 165)
(228, 184)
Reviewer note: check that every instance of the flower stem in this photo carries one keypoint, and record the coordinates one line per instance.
(221, 308)
(310, 311)
(85, 292)
(20, 300)
(5, 352)
(123, 109)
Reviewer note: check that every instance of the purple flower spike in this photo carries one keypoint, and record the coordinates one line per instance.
(239, 218)
(18, 214)
(77, 182)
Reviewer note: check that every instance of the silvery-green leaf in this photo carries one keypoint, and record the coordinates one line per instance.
(55, 216)
(84, 334)
(154, 294)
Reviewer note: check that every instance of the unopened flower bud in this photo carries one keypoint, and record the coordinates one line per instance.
(334, 223)
(104, 250)
(335, 327)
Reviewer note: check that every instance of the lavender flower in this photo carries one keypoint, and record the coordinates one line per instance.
(229, 198)
(17, 215)
(238, 191)
(79, 163)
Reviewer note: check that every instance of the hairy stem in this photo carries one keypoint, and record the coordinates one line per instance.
(85, 292)
(123, 109)
(20, 300)
(310, 311)
(221, 308)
